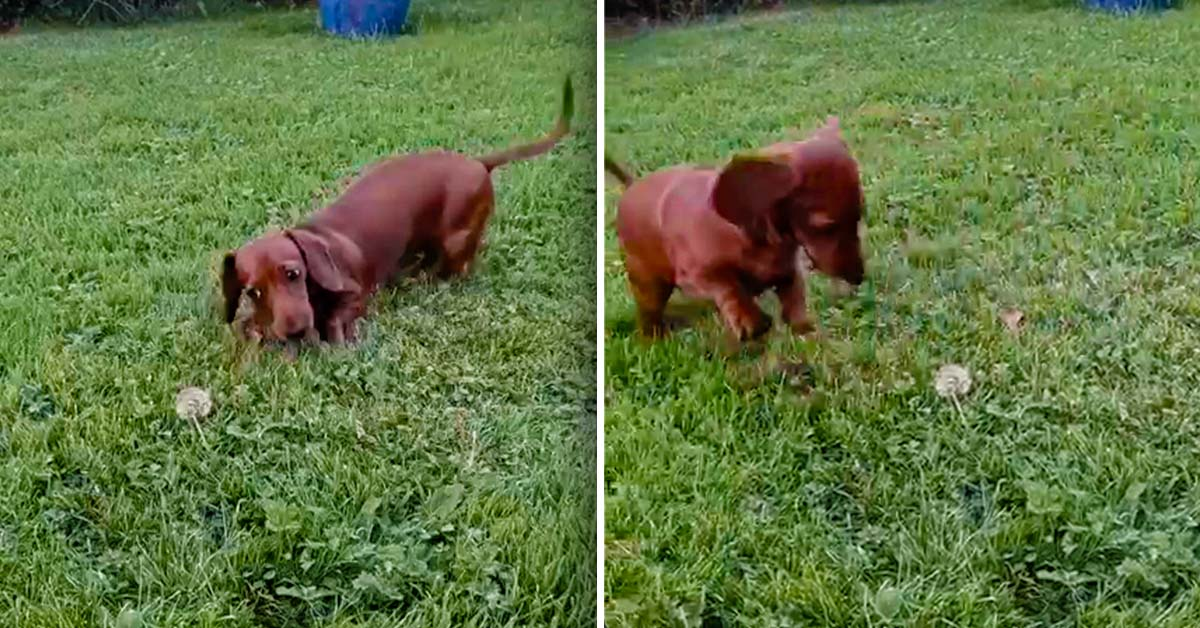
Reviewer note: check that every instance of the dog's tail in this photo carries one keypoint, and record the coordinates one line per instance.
(617, 170)
(525, 151)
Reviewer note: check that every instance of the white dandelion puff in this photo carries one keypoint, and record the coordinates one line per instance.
(952, 380)
(193, 404)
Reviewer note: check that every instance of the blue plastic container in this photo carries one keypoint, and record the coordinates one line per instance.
(1130, 6)
(364, 18)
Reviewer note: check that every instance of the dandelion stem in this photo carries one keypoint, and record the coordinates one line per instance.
(196, 424)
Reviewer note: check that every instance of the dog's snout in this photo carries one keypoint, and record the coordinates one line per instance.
(850, 269)
(291, 327)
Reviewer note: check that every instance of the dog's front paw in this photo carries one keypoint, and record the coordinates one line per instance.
(247, 330)
(762, 325)
(751, 325)
(342, 333)
(802, 326)
(351, 332)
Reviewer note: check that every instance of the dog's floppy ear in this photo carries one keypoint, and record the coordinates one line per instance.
(322, 264)
(748, 189)
(231, 286)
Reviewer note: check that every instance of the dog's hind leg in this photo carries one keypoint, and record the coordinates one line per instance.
(459, 247)
(651, 295)
(458, 251)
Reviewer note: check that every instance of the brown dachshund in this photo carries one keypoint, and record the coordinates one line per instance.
(730, 234)
(426, 210)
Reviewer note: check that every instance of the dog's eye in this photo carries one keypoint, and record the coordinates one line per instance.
(822, 224)
(254, 293)
(292, 274)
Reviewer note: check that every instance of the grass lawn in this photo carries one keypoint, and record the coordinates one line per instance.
(396, 484)
(1015, 156)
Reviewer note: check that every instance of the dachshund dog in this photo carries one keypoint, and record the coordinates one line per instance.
(729, 234)
(427, 210)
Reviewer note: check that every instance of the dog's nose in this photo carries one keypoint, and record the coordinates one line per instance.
(854, 275)
(291, 327)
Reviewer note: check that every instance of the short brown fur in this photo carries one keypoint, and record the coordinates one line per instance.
(730, 234)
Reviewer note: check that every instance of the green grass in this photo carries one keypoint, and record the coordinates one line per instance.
(440, 474)
(1041, 158)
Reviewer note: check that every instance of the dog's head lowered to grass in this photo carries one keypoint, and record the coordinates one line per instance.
(291, 278)
(808, 191)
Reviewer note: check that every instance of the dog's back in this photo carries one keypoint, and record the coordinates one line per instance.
(640, 220)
